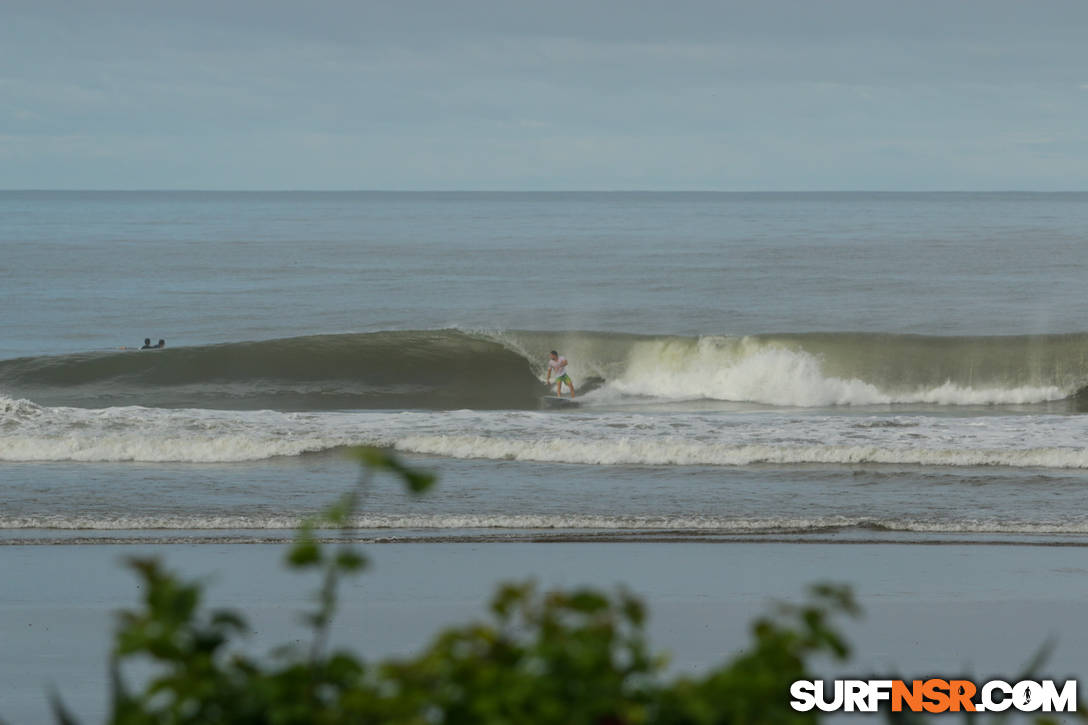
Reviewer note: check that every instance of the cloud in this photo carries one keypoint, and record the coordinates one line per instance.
(784, 94)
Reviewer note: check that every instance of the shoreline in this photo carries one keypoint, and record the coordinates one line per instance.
(365, 538)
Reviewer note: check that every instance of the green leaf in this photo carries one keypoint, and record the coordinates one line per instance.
(372, 457)
(383, 460)
(349, 560)
(418, 482)
(228, 619)
(304, 553)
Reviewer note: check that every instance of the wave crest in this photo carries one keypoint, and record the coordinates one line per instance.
(451, 369)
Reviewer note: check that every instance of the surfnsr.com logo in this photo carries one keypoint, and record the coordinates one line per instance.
(933, 695)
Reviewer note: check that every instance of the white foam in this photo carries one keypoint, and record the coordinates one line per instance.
(750, 370)
(157, 435)
(568, 522)
(13, 409)
(627, 451)
(32, 433)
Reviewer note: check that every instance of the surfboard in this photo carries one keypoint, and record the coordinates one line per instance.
(550, 401)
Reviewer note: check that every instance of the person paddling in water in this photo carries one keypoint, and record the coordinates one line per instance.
(558, 365)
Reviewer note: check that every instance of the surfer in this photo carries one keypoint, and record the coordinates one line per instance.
(162, 344)
(147, 344)
(558, 364)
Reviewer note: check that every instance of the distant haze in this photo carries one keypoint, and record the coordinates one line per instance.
(499, 94)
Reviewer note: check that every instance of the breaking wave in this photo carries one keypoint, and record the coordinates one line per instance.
(30, 432)
(452, 369)
(681, 524)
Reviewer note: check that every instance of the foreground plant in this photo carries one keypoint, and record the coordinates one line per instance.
(562, 658)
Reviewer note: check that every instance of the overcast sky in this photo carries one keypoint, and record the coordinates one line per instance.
(553, 94)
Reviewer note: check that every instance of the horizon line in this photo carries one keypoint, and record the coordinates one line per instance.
(195, 190)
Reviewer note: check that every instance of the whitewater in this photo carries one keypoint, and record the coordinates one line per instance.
(614, 436)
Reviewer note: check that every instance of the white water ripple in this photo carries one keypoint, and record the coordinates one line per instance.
(687, 523)
(35, 433)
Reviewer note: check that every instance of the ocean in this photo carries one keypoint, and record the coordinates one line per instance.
(861, 367)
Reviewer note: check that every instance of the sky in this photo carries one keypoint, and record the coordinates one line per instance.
(510, 95)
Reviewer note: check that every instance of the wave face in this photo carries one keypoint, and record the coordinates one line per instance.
(452, 369)
(442, 369)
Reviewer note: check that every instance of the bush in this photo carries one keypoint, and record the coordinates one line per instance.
(560, 657)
